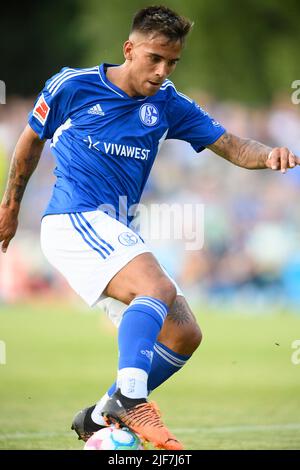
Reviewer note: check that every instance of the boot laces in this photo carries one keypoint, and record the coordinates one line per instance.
(144, 414)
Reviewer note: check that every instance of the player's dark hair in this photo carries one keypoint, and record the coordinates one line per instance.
(162, 20)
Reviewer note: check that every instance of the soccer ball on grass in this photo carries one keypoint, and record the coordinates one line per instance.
(112, 438)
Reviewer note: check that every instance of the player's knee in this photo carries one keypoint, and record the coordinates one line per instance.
(162, 289)
(190, 338)
(196, 336)
(165, 291)
(184, 340)
(168, 291)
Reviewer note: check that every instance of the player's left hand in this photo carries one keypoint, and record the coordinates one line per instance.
(281, 158)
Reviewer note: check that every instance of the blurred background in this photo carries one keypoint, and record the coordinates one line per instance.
(242, 384)
(239, 64)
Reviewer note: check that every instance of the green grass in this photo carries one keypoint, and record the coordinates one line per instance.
(239, 391)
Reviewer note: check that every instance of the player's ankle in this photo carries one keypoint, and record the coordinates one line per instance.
(132, 382)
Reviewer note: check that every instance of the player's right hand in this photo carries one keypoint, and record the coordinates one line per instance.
(8, 226)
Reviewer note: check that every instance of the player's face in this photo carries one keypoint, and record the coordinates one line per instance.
(151, 60)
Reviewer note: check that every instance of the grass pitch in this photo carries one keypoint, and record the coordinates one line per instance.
(239, 391)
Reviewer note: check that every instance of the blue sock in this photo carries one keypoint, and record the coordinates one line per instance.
(138, 331)
(164, 364)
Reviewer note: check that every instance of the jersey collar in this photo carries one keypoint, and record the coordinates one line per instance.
(113, 87)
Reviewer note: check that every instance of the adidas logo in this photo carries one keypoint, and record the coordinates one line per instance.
(96, 110)
(148, 354)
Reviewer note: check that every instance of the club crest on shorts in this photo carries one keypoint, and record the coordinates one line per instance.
(128, 238)
(149, 114)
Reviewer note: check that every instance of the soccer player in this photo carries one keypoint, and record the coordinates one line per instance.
(106, 125)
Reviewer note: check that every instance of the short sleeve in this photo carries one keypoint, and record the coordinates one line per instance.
(52, 106)
(189, 122)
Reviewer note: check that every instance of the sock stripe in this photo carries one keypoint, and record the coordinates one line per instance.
(157, 301)
(163, 352)
(148, 304)
(160, 305)
(167, 359)
(157, 306)
(162, 312)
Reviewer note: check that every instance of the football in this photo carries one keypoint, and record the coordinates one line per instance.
(112, 438)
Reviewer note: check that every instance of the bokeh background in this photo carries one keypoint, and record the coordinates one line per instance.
(239, 64)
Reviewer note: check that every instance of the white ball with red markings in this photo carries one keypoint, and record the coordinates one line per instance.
(112, 438)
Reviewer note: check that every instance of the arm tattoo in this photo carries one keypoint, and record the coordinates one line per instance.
(23, 164)
(180, 312)
(245, 153)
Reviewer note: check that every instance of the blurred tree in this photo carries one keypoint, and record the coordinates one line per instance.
(244, 51)
(37, 39)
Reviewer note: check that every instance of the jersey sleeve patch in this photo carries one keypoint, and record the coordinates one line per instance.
(41, 110)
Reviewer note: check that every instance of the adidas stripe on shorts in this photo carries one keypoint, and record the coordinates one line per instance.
(88, 249)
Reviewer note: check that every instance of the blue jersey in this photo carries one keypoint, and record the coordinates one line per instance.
(105, 142)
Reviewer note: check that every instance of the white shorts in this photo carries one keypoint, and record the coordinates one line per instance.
(88, 249)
